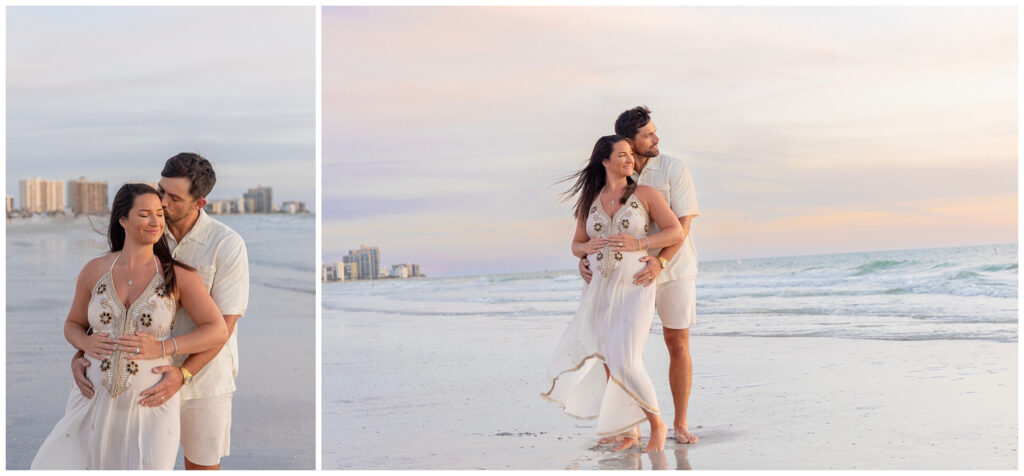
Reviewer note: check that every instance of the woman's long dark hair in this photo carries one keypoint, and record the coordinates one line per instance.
(589, 181)
(124, 200)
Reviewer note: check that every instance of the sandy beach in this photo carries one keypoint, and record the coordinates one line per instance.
(273, 419)
(462, 392)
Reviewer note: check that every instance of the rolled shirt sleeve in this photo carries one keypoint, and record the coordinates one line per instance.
(230, 289)
(684, 197)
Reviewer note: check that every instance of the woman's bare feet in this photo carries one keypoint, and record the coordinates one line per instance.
(609, 440)
(627, 443)
(657, 441)
(684, 436)
(618, 438)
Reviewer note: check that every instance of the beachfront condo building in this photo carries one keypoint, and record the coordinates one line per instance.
(259, 200)
(41, 196)
(87, 197)
(351, 270)
(405, 270)
(334, 272)
(368, 261)
(10, 204)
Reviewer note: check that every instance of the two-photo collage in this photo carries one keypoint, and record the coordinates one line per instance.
(478, 237)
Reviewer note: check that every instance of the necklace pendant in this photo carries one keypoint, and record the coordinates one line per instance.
(129, 281)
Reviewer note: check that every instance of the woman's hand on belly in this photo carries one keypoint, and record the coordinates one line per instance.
(141, 346)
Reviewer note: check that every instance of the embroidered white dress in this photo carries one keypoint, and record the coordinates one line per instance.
(610, 328)
(111, 430)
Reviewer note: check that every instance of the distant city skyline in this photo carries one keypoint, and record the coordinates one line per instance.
(808, 130)
(108, 93)
(87, 191)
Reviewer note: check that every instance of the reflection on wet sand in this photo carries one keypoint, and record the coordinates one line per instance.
(634, 458)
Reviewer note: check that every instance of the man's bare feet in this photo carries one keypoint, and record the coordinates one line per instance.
(682, 435)
(657, 440)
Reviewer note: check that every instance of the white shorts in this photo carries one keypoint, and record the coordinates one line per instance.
(676, 302)
(206, 429)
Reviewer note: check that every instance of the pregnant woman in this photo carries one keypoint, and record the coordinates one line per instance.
(597, 369)
(128, 298)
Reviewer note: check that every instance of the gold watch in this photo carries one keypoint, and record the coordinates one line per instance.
(185, 374)
(664, 262)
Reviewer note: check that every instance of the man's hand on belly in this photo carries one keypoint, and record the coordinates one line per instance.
(168, 385)
(78, 365)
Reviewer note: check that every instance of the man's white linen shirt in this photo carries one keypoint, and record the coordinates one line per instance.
(670, 177)
(218, 255)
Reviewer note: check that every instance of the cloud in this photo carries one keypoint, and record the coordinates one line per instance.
(112, 92)
(855, 110)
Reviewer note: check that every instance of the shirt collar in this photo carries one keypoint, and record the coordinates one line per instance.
(654, 163)
(200, 231)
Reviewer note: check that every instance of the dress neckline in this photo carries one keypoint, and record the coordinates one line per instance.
(600, 205)
(113, 289)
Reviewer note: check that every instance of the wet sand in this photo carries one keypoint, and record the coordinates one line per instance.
(462, 392)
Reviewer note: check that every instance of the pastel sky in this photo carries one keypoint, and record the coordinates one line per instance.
(110, 93)
(807, 130)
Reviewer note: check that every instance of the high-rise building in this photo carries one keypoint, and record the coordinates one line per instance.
(262, 200)
(10, 204)
(368, 259)
(351, 271)
(334, 272)
(87, 197)
(39, 196)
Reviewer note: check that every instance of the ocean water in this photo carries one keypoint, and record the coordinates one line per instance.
(949, 293)
(274, 420)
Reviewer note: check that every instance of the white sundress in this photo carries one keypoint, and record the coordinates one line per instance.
(611, 327)
(111, 430)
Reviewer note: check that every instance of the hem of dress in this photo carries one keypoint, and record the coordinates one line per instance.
(618, 382)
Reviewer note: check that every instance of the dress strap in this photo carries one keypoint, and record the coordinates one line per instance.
(115, 262)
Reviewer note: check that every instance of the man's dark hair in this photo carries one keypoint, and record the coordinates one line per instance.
(196, 169)
(630, 121)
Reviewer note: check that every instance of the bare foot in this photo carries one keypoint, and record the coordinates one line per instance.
(618, 438)
(627, 443)
(682, 435)
(657, 440)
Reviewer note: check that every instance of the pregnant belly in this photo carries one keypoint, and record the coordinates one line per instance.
(142, 379)
(625, 268)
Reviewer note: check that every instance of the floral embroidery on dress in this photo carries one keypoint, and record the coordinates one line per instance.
(146, 319)
(105, 365)
(132, 367)
(105, 317)
(102, 288)
(626, 220)
(160, 291)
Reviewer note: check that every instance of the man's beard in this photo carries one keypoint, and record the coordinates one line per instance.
(650, 153)
(169, 218)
